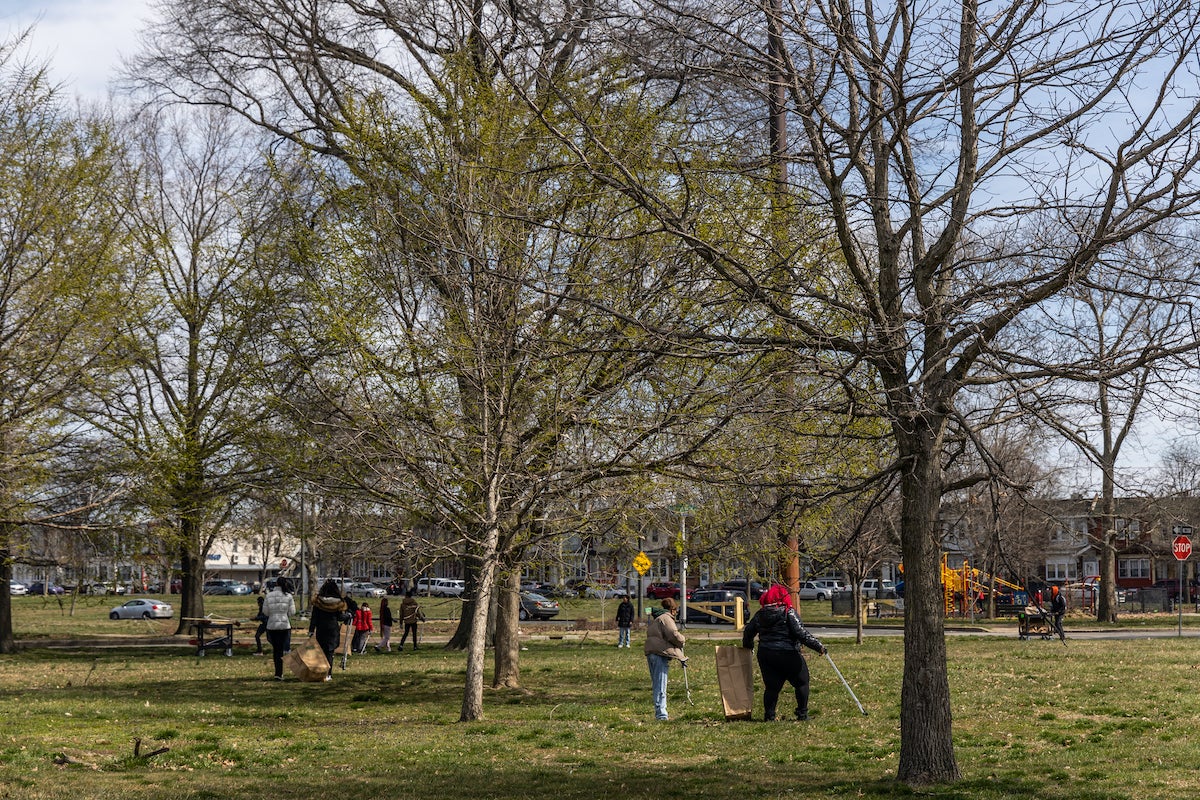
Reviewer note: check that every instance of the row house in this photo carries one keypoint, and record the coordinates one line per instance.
(1059, 541)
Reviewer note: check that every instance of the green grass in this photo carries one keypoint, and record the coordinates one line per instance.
(1032, 719)
(1091, 721)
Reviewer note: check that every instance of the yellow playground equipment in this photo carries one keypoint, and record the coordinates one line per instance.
(964, 583)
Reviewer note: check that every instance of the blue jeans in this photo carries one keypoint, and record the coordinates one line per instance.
(622, 637)
(658, 682)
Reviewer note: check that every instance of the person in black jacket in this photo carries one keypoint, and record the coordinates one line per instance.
(624, 622)
(780, 634)
(328, 615)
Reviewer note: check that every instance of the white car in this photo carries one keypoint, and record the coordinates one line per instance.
(142, 608)
(364, 590)
(17, 589)
(441, 587)
(813, 590)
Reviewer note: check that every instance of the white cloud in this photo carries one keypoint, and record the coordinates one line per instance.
(82, 40)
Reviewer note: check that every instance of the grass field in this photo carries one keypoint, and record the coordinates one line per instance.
(1097, 719)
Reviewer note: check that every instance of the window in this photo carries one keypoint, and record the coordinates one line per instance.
(1060, 571)
(1133, 568)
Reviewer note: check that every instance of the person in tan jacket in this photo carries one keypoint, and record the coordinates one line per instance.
(663, 643)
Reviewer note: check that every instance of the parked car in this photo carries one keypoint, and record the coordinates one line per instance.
(711, 595)
(441, 587)
(1170, 586)
(812, 590)
(102, 588)
(872, 588)
(536, 606)
(660, 589)
(364, 590)
(561, 592)
(38, 587)
(225, 586)
(832, 584)
(605, 591)
(17, 589)
(739, 585)
(142, 608)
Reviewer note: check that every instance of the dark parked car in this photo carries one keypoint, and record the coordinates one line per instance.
(225, 587)
(562, 592)
(727, 598)
(535, 606)
(739, 586)
(662, 589)
(40, 588)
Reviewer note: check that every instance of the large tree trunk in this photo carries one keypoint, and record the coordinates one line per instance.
(472, 707)
(1106, 602)
(191, 577)
(926, 744)
(507, 648)
(8, 642)
(461, 638)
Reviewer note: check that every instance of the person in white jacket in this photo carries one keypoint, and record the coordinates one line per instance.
(279, 606)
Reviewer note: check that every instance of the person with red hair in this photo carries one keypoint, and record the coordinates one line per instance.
(780, 635)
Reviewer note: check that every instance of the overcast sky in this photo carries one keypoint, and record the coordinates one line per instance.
(83, 40)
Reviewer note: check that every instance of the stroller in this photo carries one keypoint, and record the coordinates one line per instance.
(1035, 621)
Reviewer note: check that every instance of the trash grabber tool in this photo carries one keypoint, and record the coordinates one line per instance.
(687, 687)
(847, 685)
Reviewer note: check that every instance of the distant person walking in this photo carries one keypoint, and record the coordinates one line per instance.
(278, 607)
(262, 627)
(410, 615)
(624, 622)
(326, 620)
(780, 634)
(663, 643)
(386, 620)
(363, 627)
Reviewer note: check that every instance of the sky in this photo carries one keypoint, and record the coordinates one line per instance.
(82, 40)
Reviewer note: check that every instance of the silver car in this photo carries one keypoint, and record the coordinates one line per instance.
(142, 608)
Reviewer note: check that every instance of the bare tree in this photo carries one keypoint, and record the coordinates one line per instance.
(184, 394)
(489, 305)
(1112, 350)
(58, 290)
(973, 161)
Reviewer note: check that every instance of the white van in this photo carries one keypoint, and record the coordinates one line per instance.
(872, 588)
(441, 587)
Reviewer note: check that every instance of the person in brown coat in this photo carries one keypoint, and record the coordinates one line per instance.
(410, 615)
(663, 643)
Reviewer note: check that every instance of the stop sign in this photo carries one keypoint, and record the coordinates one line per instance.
(1182, 548)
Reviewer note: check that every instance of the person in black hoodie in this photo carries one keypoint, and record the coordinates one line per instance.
(328, 615)
(780, 634)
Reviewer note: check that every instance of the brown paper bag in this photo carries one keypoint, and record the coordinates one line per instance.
(735, 676)
(344, 643)
(307, 662)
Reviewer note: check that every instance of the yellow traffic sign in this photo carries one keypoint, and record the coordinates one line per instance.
(641, 562)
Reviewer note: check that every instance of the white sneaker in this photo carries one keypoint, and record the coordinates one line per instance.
(328, 677)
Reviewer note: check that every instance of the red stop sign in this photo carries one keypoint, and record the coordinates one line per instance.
(1182, 548)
